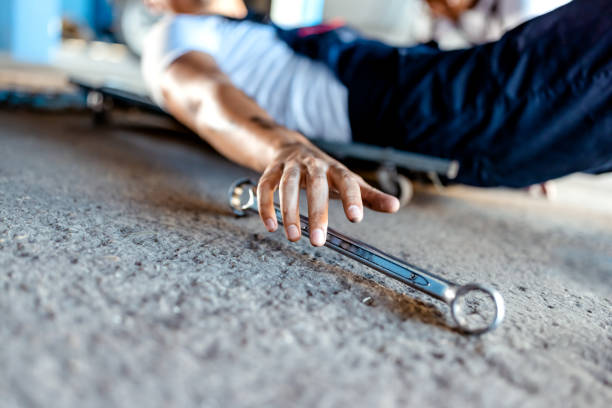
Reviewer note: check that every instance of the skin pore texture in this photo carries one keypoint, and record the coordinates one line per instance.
(203, 98)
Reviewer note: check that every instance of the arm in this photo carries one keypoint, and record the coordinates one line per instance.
(203, 98)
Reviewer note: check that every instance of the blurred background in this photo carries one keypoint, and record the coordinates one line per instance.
(43, 43)
(71, 34)
(33, 30)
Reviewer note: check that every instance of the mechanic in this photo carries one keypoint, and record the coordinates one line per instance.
(533, 106)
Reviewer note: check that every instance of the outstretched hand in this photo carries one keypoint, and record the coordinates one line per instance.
(229, 8)
(198, 93)
(299, 166)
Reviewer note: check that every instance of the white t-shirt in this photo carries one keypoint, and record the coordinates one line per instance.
(299, 93)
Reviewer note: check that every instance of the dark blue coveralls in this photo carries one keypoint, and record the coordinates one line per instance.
(533, 106)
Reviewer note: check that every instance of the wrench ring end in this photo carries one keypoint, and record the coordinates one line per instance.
(493, 294)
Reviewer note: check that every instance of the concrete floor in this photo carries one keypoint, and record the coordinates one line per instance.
(126, 282)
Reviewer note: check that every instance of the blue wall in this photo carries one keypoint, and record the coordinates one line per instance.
(80, 11)
(6, 23)
(30, 29)
(97, 14)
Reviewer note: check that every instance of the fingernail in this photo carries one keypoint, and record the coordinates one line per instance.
(317, 237)
(396, 205)
(355, 213)
(293, 233)
(270, 225)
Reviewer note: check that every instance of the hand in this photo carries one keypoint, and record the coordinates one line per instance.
(300, 165)
(452, 9)
(230, 8)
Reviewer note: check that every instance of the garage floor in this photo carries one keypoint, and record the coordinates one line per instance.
(125, 281)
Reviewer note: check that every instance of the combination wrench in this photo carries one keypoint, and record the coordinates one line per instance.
(243, 199)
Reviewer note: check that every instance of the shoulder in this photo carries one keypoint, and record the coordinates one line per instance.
(172, 37)
(181, 29)
(175, 35)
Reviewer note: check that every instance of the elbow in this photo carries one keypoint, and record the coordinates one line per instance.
(200, 102)
(194, 90)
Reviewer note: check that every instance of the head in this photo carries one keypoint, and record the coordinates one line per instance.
(230, 8)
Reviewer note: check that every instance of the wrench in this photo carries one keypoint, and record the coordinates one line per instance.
(243, 198)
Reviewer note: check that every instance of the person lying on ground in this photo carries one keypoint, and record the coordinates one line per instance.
(533, 106)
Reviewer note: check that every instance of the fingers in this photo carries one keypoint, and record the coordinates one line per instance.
(289, 199)
(377, 200)
(265, 196)
(317, 191)
(321, 176)
(347, 184)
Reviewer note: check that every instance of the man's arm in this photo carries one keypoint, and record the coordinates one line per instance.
(202, 97)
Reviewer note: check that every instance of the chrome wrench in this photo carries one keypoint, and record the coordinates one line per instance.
(243, 198)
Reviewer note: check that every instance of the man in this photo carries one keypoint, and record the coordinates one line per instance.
(530, 107)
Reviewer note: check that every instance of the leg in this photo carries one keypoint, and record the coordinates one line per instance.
(533, 106)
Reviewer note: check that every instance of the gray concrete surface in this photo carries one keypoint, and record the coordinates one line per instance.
(125, 282)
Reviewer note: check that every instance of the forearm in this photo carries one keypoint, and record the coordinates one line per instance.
(205, 100)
